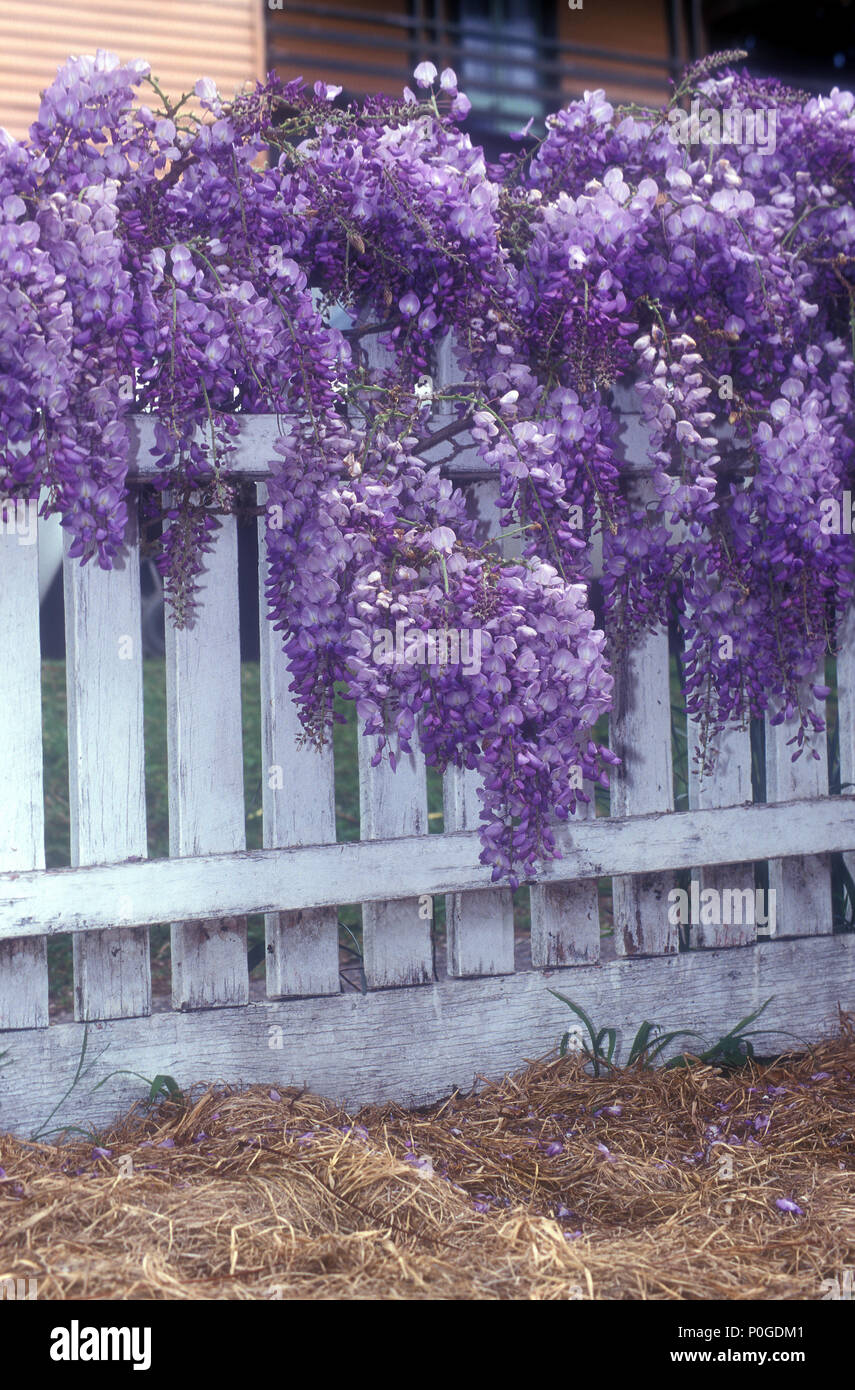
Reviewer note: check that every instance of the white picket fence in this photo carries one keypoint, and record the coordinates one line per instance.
(412, 1036)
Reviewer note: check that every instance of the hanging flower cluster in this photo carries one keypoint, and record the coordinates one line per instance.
(279, 253)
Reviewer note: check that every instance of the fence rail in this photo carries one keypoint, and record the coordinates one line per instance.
(414, 1034)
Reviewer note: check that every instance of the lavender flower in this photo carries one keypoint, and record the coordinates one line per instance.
(785, 1204)
(151, 262)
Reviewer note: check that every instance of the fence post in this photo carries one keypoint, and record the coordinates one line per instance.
(479, 926)
(106, 767)
(205, 744)
(565, 917)
(397, 936)
(298, 798)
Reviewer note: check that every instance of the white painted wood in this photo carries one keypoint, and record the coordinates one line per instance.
(206, 805)
(106, 768)
(298, 802)
(397, 938)
(232, 884)
(802, 885)
(479, 926)
(565, 924)
(565, 917)
(640, 735)
(254, 450)
(458, 457)
(415, 1045)
(727, 784)
(846, 710)
(23, 964)
(254, 445)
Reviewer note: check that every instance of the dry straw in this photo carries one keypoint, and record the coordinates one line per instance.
(547, 1185)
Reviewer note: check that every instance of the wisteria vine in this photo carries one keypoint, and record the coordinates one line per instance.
(280, 253)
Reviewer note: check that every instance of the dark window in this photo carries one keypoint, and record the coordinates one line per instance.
(812, 48)
(503, 45)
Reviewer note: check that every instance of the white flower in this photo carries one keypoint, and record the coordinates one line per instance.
(425, 74)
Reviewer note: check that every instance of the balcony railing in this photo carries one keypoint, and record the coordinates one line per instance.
(507, 76)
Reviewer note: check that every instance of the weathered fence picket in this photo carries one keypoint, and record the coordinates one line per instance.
(106, 768)
(640, 735)
(727, 783)
(479, 926)
(565, 917)
(801, 883)
(298, 808)
(397, 936)
(206, 805)
(23, 963)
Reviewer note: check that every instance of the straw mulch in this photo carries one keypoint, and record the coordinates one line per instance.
(547, 1185)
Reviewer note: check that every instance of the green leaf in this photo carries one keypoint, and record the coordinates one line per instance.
(164, 1086)
(611, 1034)
(580, 1013)
(749, 1018)
(641, 1041)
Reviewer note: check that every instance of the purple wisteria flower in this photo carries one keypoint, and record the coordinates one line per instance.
(785, 1204)
(161, 259)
